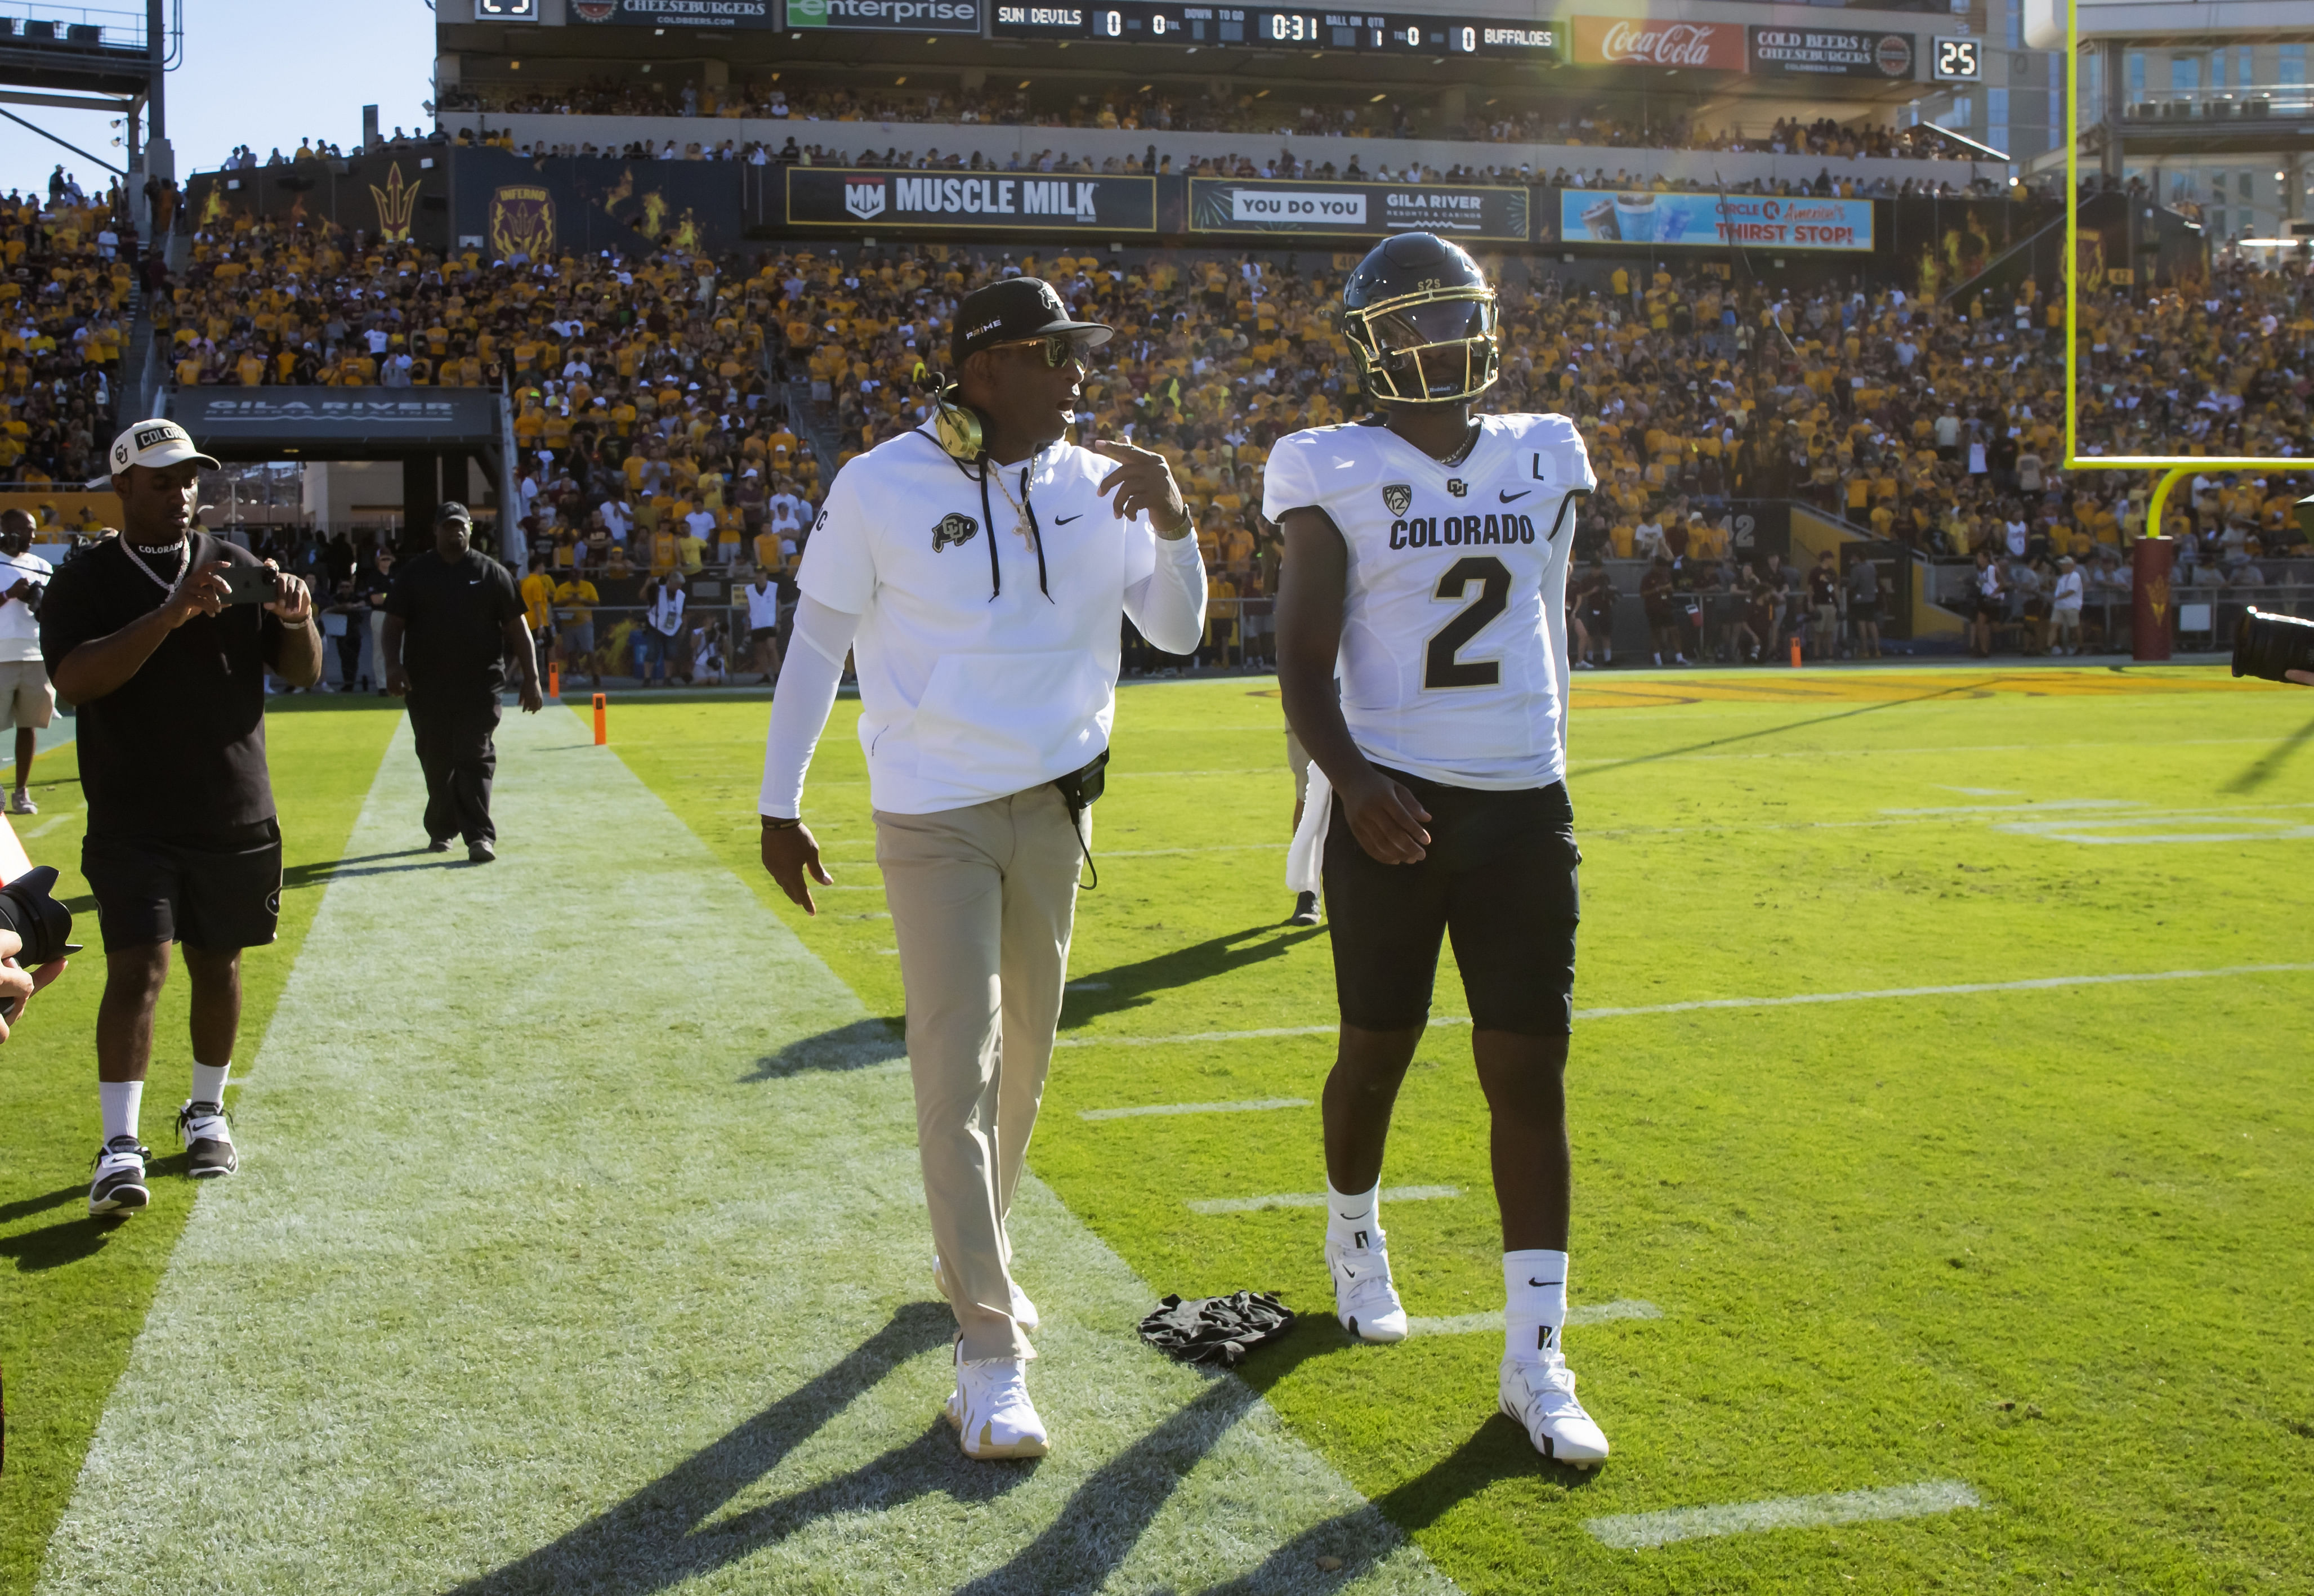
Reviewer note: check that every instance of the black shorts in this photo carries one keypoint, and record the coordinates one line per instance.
(216, 893)
(1500, 876)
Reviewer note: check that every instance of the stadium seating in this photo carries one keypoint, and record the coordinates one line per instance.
(67, 293)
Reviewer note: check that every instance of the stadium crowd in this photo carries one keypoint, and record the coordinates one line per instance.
(659, 443)
(66, 306)
(1225, 110)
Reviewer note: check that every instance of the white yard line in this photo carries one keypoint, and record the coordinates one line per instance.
(1968, 988)
(1254, 1106)
(1476, 1324)
(1635, 1532)
(1392, 1193)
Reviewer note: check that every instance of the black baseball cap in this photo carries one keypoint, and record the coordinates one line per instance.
(1013, 310)
(451, 509)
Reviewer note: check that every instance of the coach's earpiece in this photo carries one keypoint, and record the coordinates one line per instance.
(956, 428)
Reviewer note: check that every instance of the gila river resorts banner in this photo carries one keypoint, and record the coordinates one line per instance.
(1711, 221)
(874, 200)
(1370, 210)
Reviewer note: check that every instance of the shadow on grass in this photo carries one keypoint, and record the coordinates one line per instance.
(25, 1207)
(1136, 984)
(68, 1241)
(659, 1537)
(2268, 765)
(1969, 687)
(855, 1047)
(321, 872)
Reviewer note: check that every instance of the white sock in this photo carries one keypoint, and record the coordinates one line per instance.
(209, 1083)
(120, 1100)
(1534, 1312)
(1353, 1221)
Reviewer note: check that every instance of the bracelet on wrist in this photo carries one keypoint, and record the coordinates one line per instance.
(774, 823)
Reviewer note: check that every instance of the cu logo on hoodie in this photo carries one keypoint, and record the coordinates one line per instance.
(953, 529)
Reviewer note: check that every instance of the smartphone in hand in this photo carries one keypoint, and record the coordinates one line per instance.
(250, 585)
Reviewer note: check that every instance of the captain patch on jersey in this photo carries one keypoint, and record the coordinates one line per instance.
(1453, 660)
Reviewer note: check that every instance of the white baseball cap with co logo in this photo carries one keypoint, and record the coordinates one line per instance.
(155, 442)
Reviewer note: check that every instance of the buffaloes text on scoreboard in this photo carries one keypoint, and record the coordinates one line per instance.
(1253, 27)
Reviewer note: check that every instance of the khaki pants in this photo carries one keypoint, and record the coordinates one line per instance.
(982, 899)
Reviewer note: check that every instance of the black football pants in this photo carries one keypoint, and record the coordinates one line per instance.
(456, 751)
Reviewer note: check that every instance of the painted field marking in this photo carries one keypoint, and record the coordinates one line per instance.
(2225, 828)
(1578, 766)
(1251, 1107)
(1392, 1194)
(1214, 848)
(1637, 1531)
(2136, 817)
(2027, 808)
(46, 826)
(1476, 1324)
(1967, 989)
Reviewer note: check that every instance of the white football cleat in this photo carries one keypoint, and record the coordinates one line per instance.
(990, 1411)
(1364, 1300)
(1024, 1312)
(1540, 1397)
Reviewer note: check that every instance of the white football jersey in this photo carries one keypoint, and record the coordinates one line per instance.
(1454, 661)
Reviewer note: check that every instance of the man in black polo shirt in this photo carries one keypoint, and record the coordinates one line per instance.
(142, 633)
(453, 617)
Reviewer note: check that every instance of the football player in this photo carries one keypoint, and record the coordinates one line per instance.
(1425, 562)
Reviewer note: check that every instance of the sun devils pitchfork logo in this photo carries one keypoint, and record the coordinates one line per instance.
(953, 529)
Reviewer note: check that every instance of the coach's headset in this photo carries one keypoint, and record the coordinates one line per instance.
(958, 429)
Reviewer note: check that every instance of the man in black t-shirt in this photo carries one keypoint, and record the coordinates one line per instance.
(452, 619)
(142, 633)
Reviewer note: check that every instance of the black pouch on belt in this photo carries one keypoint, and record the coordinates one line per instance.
(1078, 789)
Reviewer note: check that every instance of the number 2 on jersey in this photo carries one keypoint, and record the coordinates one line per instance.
(1440, 667)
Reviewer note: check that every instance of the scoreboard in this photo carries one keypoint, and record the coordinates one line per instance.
(1233, 27)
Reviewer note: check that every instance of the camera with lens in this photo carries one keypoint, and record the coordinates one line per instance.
(41, 924)
(2269, 646)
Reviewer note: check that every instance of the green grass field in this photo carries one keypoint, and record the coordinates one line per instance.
(2036, 1246)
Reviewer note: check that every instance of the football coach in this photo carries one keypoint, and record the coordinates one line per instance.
(979, 569)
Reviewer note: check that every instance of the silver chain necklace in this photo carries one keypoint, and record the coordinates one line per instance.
(181, 549)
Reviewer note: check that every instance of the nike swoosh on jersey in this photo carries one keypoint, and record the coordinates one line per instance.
(1507, 498)
(1533, 1281)
(1065, 520)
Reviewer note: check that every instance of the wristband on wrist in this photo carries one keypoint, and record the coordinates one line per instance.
(774, 823)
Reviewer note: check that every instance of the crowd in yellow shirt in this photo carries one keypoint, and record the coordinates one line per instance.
(66, 288)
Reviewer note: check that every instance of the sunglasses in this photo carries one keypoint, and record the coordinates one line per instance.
(1060, 348)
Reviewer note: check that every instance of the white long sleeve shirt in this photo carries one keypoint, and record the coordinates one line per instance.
(983, 670)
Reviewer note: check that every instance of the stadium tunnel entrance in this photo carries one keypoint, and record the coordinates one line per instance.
(437, 436)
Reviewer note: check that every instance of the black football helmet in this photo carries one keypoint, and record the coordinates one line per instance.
(1421, 317)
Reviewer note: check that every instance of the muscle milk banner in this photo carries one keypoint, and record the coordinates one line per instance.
(866, 200)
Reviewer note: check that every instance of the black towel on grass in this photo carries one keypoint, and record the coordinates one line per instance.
(1217, 1329)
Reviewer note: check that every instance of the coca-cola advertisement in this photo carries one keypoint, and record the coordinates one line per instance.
(1647, 41)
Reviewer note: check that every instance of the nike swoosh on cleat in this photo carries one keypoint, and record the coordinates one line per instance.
(1065, 520)
(1507, 497)
(1546, 1282)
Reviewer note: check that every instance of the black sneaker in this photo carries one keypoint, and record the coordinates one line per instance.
(119, 1183)
(1305, 910)
(438, 845)
(202, 1132)
(480, 851)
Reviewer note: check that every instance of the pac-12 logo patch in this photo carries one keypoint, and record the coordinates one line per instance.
(1397, 496)
(953, 529)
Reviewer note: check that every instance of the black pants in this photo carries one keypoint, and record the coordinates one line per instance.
(349, 650)
(456, 751)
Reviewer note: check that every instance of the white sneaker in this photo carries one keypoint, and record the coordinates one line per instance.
(21, 804)
(1364, 1300)
(118, 1181)
(1540, 1397)
(1024, 1312)
(990, 1411)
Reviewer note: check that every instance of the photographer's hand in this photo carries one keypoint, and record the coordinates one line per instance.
(101, 665)
(200, 591)
(789, 852)
(18, 985)
(296, 602)
(2304, 678)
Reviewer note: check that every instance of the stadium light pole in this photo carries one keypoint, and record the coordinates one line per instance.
(2148, 569)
